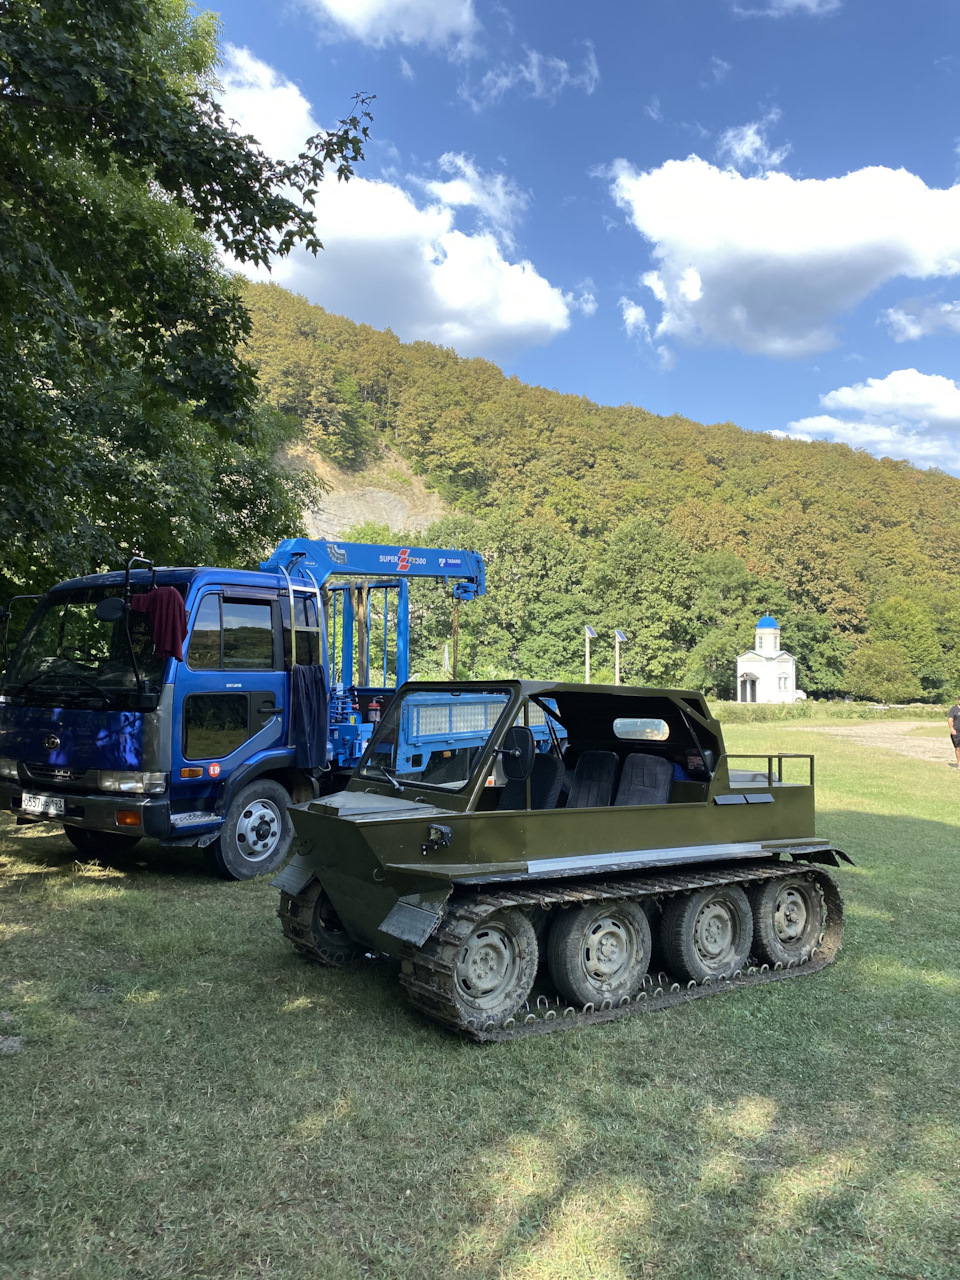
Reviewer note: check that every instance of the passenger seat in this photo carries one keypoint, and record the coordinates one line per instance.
(593, 779)
(646, 779)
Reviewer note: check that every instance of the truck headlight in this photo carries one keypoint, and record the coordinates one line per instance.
(8, 768)
(128, 782)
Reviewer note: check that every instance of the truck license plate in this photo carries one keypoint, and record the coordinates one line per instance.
(52, 806)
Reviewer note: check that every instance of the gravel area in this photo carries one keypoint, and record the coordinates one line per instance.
(893, 735)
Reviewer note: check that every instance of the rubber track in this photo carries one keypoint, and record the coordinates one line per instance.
(296, 920)
(427, 972)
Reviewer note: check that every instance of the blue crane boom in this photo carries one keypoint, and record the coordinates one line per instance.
(327, 559)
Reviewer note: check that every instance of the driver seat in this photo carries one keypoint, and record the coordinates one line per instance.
(544, 786)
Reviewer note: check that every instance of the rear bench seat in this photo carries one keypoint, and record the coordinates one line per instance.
(646, 779)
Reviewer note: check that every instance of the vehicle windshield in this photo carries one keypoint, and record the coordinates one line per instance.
(434, 737)
(67, 654)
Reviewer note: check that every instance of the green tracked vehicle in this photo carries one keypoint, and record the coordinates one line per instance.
(542, 855)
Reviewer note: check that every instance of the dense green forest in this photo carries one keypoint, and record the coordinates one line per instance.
(130, 420)
(679, 533)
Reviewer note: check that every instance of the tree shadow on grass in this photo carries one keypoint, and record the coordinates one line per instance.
(43, 848)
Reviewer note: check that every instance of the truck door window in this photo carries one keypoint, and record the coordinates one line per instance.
(308, 642)
(247, 636)
(203, 652)
(214, 724)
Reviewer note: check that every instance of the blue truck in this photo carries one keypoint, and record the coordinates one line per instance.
(283, 676)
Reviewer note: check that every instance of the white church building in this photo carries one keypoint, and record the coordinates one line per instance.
(767, 673)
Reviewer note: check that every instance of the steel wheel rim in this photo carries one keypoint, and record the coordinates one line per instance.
(488, 967)
(715, 934)
(609, 951)
(259, 829)
(790, 916)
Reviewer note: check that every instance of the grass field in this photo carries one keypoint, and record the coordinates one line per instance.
(190, 1099)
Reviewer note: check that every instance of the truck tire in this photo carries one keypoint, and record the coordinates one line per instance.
(496, 966)
(600, 952)
(708, 933)
(788, 918)
(99, 844)
(256, 834)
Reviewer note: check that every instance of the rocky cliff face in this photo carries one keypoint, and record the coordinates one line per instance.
(387, 492)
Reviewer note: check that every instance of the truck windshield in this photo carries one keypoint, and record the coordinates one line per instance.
(68, 656)
(434, 737)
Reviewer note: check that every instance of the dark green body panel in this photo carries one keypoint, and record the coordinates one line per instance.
(368, 846)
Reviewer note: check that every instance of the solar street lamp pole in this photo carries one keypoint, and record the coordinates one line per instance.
(618, 639)
(588, 635)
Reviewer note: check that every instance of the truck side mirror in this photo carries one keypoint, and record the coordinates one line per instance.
(110, 609)
(518, 753)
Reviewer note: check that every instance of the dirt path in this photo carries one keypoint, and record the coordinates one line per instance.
(894, 735)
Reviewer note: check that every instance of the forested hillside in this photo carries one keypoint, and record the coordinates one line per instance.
(680, 534)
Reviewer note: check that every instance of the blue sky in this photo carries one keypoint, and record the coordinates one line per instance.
(733, 211)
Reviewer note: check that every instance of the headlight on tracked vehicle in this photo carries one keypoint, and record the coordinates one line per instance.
(8, 768)
(132, 783)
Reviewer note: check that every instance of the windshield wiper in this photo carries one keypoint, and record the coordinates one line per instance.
(386, 773)
(21, 688)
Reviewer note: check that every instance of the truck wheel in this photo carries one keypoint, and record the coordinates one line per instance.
(707, 934)
(496, 967)
(600, 952)
(256, 833)
(788, 918)
(96, 844)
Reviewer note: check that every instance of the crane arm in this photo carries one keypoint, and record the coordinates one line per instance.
(465, 569)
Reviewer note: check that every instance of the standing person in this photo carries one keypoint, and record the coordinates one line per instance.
(953, 720)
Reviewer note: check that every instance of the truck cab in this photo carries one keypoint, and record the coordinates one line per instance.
(283, 676)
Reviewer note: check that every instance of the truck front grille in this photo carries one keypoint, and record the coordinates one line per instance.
(59, 776)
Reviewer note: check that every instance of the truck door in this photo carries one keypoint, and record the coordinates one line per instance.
(230, 699)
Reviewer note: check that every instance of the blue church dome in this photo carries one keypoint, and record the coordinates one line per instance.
(768, 623)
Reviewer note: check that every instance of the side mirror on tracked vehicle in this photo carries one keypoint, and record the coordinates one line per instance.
(518, 753)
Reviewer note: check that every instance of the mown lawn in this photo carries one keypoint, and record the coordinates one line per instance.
(190, 1099)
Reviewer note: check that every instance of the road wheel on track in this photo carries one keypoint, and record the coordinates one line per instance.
(496, 967)
(708, 933)
(99, 844)
(600, 952)
(256, 833)
(314, 928)
(788, 918)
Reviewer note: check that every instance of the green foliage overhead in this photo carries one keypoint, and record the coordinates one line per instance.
(678, 533)
(127, 393)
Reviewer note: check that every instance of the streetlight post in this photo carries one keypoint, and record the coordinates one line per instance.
(588, 635)
(618, 639)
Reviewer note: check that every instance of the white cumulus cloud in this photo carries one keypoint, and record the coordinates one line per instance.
(715, 74)
(779, 259)
(634, 319)
(496, 197)
(434, 23)
(745, 146)
(905, 393)
(783, 8)
(388, 261)
(265, 104)
(907, 414)
(917, 317)
(539, 75)
(584, 299)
